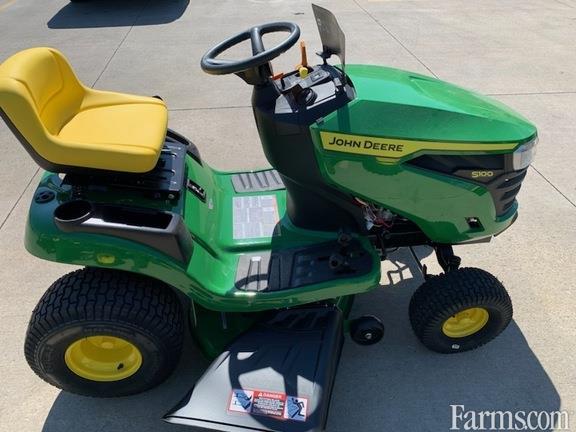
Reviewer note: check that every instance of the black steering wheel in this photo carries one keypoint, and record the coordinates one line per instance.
(260, 55)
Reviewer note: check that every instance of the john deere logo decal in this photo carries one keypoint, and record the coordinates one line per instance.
(390, 148)
(366, 144)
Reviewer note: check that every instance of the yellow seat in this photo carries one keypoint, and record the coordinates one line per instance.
(67, 126)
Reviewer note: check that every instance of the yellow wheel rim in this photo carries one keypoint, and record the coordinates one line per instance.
(103, 358)
(465, 323)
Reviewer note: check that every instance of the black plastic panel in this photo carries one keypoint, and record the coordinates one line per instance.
(191, 148)
(292, 356)
(504, 190)
(165, 181)
(293, 268)
(332, 36)
(451, 163)
(163, 231)
(284, 113)
(503, 183)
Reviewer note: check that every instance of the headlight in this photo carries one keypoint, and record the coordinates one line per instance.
(524, 156)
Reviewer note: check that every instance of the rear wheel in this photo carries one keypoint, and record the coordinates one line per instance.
(105, 333)
(460, 310)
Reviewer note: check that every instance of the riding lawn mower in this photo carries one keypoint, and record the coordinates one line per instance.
(259, 267)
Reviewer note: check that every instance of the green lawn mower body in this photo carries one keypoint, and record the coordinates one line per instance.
(365, 158)
(408, 143)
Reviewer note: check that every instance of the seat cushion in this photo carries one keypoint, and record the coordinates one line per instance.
(69, 127)
(120, 137)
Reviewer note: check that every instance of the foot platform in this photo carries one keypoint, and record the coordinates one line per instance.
(296, 267)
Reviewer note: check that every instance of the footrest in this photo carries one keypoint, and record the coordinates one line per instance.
(258, 181)
(276, 377)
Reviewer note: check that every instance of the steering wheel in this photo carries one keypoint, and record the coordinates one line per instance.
(211, 64)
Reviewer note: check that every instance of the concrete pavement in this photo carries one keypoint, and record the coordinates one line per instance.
(521, 52)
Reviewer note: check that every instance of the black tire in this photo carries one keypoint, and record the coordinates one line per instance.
(94, 302)
(366, 330)
(443, 296)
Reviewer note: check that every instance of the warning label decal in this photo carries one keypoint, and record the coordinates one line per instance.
(296, 408)
(270, 404)
(254, 216)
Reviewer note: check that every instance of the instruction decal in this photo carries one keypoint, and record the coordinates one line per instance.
(241, 401)
(269, 404)
(254, 216)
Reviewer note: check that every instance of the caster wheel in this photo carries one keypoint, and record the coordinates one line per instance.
(105, 333)
(459, 310)
(366, 330)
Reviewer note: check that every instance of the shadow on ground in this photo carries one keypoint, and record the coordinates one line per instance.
(117, 13)
(394, 385)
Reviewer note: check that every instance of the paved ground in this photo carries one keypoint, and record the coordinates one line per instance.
(519, 51)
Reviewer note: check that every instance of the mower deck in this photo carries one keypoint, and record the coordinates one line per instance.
(276, 377)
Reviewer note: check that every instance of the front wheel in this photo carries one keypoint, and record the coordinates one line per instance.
(105, 333)
(460, 310)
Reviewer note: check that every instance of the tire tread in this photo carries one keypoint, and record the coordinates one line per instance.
(454, 291)
(90, 294)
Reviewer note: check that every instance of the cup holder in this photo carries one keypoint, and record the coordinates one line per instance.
(73, 211)
(160, 230)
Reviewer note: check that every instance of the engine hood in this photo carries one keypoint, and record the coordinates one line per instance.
(392, 103)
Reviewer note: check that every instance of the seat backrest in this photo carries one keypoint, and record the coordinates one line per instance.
(39, 94)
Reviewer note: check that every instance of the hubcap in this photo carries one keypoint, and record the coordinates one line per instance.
(465, 323)
(103, 358)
